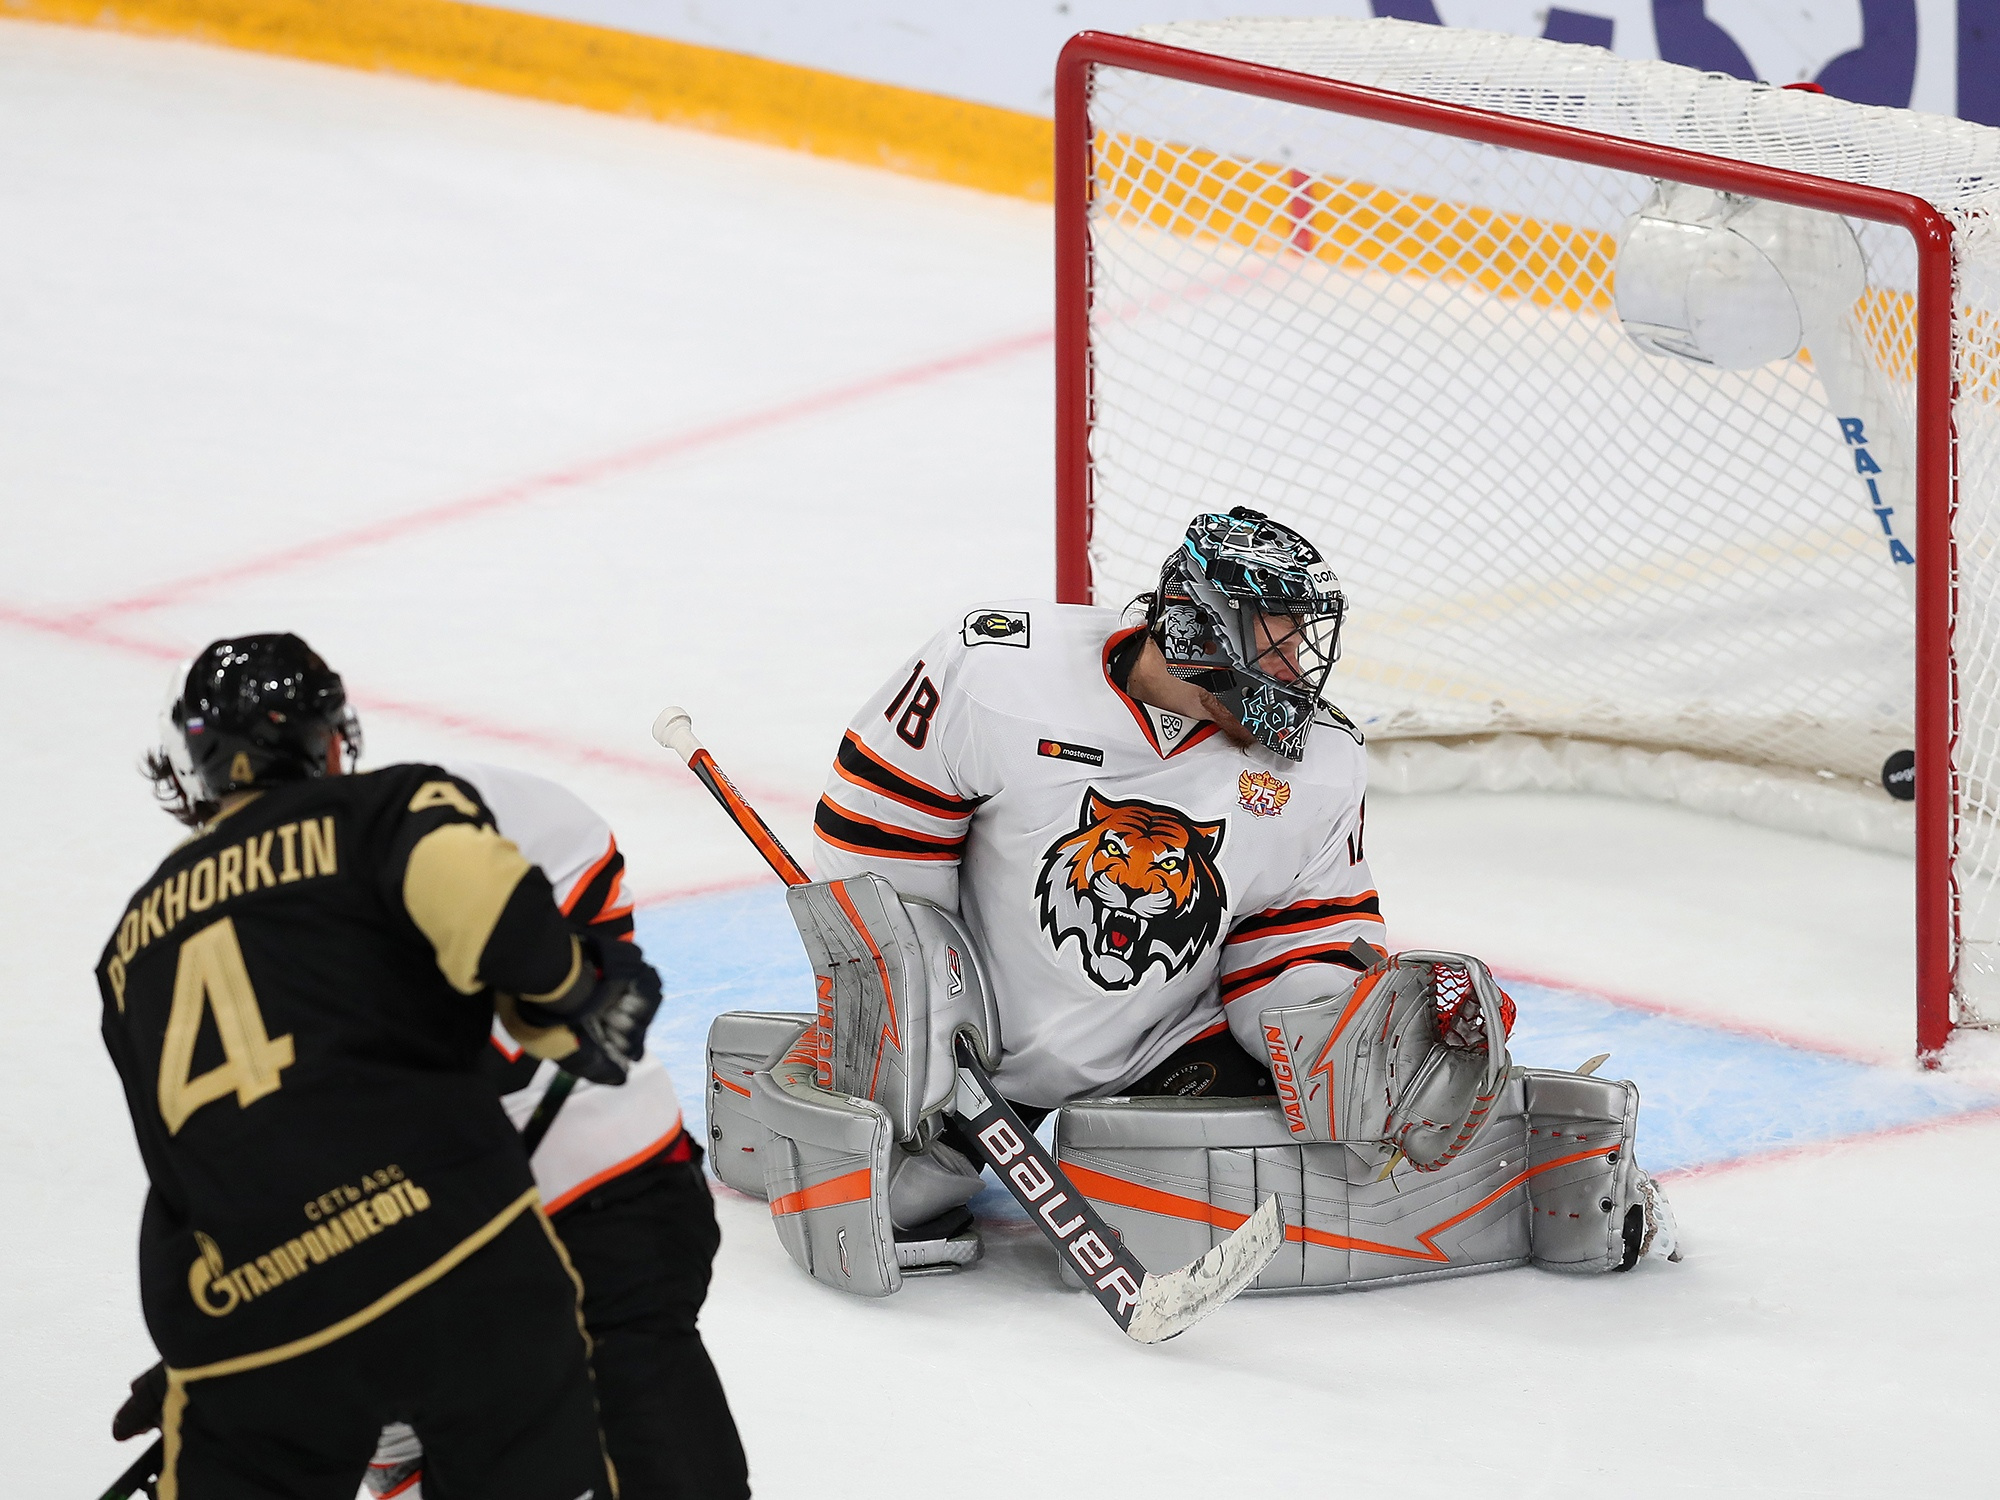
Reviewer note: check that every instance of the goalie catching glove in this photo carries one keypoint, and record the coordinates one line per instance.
(1412, 1057)
(595, 1028)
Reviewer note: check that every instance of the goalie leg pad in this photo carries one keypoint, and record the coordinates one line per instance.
(1175, 1176)
(898, 980)
(1591, 1208)
(826, 1174)
(741, 1043)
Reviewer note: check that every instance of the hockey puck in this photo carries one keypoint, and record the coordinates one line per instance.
(1899, 775)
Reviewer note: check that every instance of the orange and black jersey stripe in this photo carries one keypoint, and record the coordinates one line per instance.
(1306, 916)
(1265, 944)
(849, 830)
(855, 762)
(597, 903)
(1244, 981)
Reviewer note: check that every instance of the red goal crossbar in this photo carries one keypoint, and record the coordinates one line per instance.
(1935, 471)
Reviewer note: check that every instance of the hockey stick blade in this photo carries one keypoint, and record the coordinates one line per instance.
(1149, 1308)
(1180, 1299)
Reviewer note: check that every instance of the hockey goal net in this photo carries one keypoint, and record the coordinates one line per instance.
(1648, 416)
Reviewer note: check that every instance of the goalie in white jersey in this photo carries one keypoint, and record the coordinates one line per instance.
(1149, 835)
(1152, 831)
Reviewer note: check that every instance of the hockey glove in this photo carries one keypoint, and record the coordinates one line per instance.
(610, 1026)
(141, 1411)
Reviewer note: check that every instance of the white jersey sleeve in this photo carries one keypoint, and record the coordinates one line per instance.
(600, 1132)
(905, 781)
(1301, 946)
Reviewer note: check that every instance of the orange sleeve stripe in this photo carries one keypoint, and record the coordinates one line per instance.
(1307, 915)
(849, 1189)
(1236, 986)
(611, 911)
(847, 830)
(1304, 924)
(857, 763)
(874, 852)
(637, 1159)
(894, 830)
(583, 881)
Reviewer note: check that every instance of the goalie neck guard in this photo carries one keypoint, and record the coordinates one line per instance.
(1248, 609)
(254, 710)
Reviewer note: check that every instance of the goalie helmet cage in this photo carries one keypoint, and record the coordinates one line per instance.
(1359, 274)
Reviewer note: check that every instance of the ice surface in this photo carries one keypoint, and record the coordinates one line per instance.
(641, 416)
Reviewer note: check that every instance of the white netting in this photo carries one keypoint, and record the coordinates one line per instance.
(1406, 345)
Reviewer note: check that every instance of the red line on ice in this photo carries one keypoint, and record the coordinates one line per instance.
(574, 476)
(658, 766)
(1835, 1143)
(705, 888)
(1797, 1041)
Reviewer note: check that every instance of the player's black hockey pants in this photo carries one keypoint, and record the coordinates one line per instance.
(487, 1364)
(643, 1244)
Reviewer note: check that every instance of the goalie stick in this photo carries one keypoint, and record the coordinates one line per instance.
(1148, 1307)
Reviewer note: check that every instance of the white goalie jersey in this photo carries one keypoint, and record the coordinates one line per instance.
(1133, 880)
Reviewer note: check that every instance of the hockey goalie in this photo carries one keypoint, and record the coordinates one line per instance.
(1124, 857)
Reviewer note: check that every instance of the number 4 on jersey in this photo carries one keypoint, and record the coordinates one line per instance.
(212, 973)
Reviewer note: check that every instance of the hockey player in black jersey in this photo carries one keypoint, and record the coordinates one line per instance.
(297, 1002)
(622, 1182)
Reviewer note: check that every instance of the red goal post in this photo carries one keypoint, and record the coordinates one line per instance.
(1080, 138)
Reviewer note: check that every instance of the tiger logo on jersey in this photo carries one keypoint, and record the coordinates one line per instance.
(1136, 884)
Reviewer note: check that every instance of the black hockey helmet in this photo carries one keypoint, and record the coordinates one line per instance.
(254, 710)
(1248, 609)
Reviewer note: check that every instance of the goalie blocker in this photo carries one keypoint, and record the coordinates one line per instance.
(1403, 1143)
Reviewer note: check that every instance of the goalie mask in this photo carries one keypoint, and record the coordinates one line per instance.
(252, 710)
(1248, 609)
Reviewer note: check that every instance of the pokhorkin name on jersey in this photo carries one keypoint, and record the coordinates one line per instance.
(287, 853)
(219, 1290)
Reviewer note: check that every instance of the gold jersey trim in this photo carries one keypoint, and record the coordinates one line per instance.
(390, 1299)
(455, 887)
(179, 1380)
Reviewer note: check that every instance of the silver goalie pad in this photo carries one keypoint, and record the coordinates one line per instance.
(741, 1044)
(826, 1174)
(1412, 1057)
(1549, 1180)
(1590, 1207)
(898, 981)
(807, 1110)
(1174, 1176)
